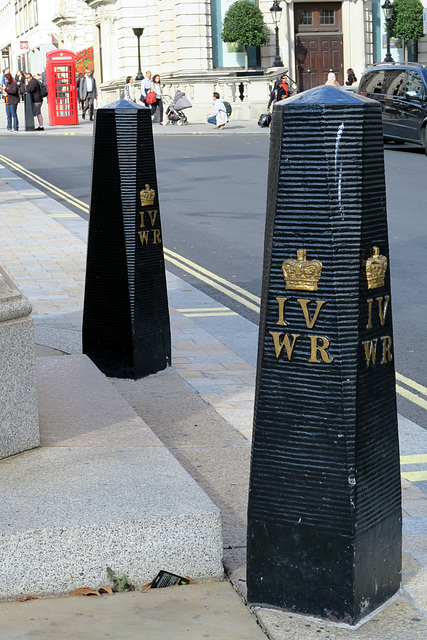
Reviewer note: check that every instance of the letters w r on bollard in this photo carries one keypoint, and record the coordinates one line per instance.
(324, 515)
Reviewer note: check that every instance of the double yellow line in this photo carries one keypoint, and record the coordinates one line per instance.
(47, 185)
(416, 393)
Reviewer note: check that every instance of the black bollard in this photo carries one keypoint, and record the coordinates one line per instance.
(29, 118)
(126, 330)
(324, 515)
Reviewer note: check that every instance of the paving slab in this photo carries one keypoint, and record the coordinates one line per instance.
(397, 620)
(207, 611)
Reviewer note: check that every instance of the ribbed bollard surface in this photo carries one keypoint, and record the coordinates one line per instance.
(324, 516)
(126, 329)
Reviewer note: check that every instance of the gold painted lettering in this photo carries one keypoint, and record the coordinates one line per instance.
(382, 310)
(278, 346)
(322, 350)
(370, 351)
(304, 306)
(141, 213)
(152, 215)
(143, 236)
(369, 325)
(156, 234)
(281, 320)
(387, 354)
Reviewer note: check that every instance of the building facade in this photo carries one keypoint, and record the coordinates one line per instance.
(181, 40)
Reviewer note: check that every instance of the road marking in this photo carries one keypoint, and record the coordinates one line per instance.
(63, 215)
(217, 286)
(411, 383)
(203, 309)
(204, 312)
(414, 476)
(210, 314)
(418, 458)
(58, 192)
(218, 283)
(231, 285)
(412, 397)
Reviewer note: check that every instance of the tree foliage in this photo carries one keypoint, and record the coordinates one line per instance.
(407, 20)
(244, 24)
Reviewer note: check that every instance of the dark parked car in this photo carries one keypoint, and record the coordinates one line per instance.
(401, 88)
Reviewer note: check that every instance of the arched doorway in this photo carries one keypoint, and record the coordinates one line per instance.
(318, 43)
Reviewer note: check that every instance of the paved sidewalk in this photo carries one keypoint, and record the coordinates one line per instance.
(208, 394)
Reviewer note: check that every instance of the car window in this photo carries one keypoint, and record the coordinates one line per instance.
(414, 83)
(394, 82)
(372, 82)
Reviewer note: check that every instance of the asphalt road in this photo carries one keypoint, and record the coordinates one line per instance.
(212, 198)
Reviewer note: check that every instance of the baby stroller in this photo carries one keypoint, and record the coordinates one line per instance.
(174, 110)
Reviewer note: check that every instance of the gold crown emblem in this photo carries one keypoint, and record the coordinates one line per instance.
(147, 196)
(376, 267)
(301, 275)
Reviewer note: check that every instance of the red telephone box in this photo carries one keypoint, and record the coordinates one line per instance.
(62, 87)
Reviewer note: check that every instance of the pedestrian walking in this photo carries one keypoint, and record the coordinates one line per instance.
(219, 112)
(156, 88)
(129, 90)
(12, 101)
(145, 86)
(88, 93)
(33, 88)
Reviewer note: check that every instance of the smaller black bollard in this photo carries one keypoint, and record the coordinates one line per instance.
(29, 118)
(126, 330)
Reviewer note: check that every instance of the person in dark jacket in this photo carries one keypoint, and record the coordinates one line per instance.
(12, 101)
(33, 88)
(88, 93)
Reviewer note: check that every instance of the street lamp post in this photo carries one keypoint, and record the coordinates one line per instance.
(388, 13)
(138, 33)
(276, 13)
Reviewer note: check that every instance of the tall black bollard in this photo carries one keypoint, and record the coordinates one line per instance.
(324, 516)
(126, 329)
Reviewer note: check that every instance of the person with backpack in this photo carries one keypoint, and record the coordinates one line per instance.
(35, 91)
(219, 112)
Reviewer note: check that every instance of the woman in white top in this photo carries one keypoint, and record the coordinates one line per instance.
(129, 92)
(332, 80)
(155, 86)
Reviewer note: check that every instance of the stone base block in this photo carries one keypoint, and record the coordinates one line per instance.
(19, 425)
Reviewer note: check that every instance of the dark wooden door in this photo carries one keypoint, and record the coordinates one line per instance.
(318, 43)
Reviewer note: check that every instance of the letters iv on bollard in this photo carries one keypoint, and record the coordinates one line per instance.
(126, 330)
(324, 515)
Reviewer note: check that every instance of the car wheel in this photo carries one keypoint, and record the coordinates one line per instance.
(425, 139)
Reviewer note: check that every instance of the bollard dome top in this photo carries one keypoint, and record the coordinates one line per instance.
(326, 95)
(123, 104)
